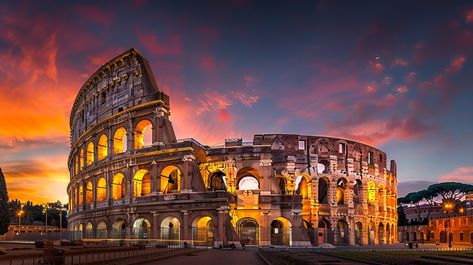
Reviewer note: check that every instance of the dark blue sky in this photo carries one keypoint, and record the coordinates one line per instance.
(396, 75)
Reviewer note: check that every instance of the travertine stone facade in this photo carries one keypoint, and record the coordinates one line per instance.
(131, 178)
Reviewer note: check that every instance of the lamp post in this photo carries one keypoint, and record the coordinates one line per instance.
(20, 213)
(448, 209)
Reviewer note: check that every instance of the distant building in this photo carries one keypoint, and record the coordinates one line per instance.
(419, 213)
(131, 178)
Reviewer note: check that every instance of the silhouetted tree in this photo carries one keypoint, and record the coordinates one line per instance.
(4, 211)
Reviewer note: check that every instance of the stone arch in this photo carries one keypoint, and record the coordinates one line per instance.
(171, 229)
(101, 230)
(443, 237)
(248, 231)
(101, 190)
(118, 228)
(248, 179)
(141, 183)
(170, 179)
(89, 230)
(414, 236)
(323, 167)
(342, 191)
(342, 233)
(359, 233)
(281, 231)
(118, 186)
(302, 186)
(371, 233)
(89, 189)
(323, 228)
(323, 190)
(102, 147)
(358, 192)
(203, 230)
(90, 153)
(120, 141)
(81, 158)
(81, 195)
(381, 234)
(217, 181)
(388, 234)
(143, 134)
(142, 228)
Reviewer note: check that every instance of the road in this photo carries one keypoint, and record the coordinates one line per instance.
(213, 257)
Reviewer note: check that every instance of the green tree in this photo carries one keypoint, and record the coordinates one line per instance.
(4, 209)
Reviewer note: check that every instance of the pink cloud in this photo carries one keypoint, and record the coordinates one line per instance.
(375, 67)
(410, 78)
(461, 174)
(247, 100)
(95, 14)
(170, 46)
(208, 63)
(456, 64)
(400, 62)
(402, 89)
(249, 80)
(469, 16)
(213, 101)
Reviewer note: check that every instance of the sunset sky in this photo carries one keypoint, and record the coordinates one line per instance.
(396, 75)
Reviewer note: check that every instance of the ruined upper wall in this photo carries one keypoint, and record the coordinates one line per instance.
(123, 82)
(348, 154)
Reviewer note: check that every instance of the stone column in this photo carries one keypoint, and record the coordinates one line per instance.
(185, 226)
(94, 193)
(109, 181)
(351, 229)
(222, 219)
(154, 226)
(154, 178)
(186, 177)
(266, 170)
(264, 230)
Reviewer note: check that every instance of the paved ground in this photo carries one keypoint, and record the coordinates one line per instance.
(213, 257)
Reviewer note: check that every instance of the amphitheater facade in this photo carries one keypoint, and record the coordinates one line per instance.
(130, 178)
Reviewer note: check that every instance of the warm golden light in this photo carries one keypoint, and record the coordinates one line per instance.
(102, 147)
(118, 186)
(90, 153)
(170, 179)
(119, 141)
(101, 190)
(89, 193)
(143, 134)
(141, 183)
(371, 192)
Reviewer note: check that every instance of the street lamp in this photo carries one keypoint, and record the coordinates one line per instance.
(20, 213)
(449, 208)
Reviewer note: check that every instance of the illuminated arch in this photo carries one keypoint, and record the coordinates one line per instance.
(217, 181)
(90, 153)
(101, 230)
(170, 179)
(371, 192)
(281, 232)
(302, 187)
(81, 158)
(248, 231)
(76, 165)
(101, 190)
(118, 229)
(119, 141)
(323, 190)
(341, 195)
(248, 183)
(170, 228)
(89, 189)
(89, 230)
(102, 147)
(143, 134)
(203, 230)
(142, 228)
(81, 195)
(141, 183)
(118, 186)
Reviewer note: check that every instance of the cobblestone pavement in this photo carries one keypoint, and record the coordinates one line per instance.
(213, 257)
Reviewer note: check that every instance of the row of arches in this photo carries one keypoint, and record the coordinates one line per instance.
(116, 187)
(340, 233)
(89, 153)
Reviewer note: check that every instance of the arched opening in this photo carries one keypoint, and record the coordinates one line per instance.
(170, 179)
(89, 189)
(431, 237)
(341, 191)
(217, 181)
(323, 167)
(302, 187)
(101, 190)
(89, 230)
(119, 141)
(248, 183)
(118, 229)
(421, 236)
(358, 233)
(76, 167)
(388, 234)
(102, 147)
(118, 186)
(281, 232)
(371, 192)
(81, 195)
(323, 189)
(443, 237)
(142, 228)
(81, 158)
(90, 153)
(357, 192)
(393, 238)
(371, 233)
(171, 229)
(80, 229)
(381, 234)
(143, 134)
(248, 231)
(141, 183)
(341, 233)
(414, 236)
(450, 237)
(203, 231)
(322, 231)
(102, 230)
(407, 238)
(281, 182)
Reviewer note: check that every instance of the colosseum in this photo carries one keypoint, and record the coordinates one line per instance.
(130, 178)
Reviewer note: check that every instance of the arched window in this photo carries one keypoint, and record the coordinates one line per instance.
(119, 141)
(170, 179)
(301, 187)
(101, 190)
(90, 153)
(357, 191)
(323, 167)
(341, 191)
(81, 158)
(141, 228)
(76, 164)
(217, 181)
(323, 189)
(88, 193)
(371, 192)
(102, 147)
(143, 134)
(89, 232)
(248, 183)
(81, 195)
(102, 230)
(118, 186)
(141, 183)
